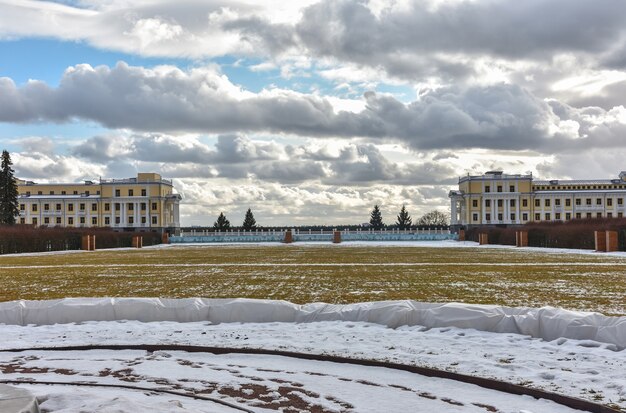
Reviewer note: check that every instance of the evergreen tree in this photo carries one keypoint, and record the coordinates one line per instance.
(404, 220)
(434, 218)
(9, 207)
(249, 223)
(222, 224)
(376, 218)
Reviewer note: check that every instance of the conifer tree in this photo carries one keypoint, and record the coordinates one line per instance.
(9, 207)
(376, 218)
(249, 223)
(222, 224)
(404, 220)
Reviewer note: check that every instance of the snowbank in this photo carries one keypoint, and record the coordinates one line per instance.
(547, 323)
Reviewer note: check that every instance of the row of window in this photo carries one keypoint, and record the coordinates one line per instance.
(548, 202)
(499, 188)
(575, 187)
(548, 216)
(82, 221)
(94, 207)
(131, 192)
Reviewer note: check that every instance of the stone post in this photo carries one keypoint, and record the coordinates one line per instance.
(137, 241)
(288, 237)
(88, 243)
(336, 237)
(600, 238)
(611, 241)
(521, 238)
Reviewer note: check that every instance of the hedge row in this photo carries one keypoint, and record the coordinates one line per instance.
(577, 233)
(17, 239)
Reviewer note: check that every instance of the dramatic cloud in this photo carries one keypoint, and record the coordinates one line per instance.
(201, 100)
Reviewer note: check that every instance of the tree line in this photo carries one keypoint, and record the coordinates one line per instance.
(403, 220)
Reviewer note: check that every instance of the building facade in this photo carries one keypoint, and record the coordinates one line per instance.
(144, 203)
(496, 198)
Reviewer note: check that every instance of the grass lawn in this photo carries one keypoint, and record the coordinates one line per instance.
(329, 273)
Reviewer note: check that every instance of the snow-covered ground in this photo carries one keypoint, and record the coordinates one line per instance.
(584, 369)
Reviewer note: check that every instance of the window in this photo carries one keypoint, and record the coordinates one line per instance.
(143, 219)
(75, 192)
(512, 217)
(46, 207)
(537, 202)
(487, 217)
(86, 193)
(143, 192)
(27, 193)
(81, 207)
(524, 217)
(117, 220)
(512, 203)
(70, 221)
(620, 215)
(512, 188)
(131, 192)
(131, 220)
(500, 203)
(578, 215)
(70, 207)
(474, 204)
(34, 220)
(107, 221)
(58, 220)
(557, 202)
(51, 192)
(131, 207)
(34, 207)
(117, 192)
(609, 215)
(588, 201)
(58, 207)
(143, 205)
(547, 202)
(598, 201)
(118, 206)
(22, 207)
(568, 202)
(46, 220)
(154, 206)
(557, 215)
(599, 215)
(39, 193)
(620, 201)
(487, 188)
(499, 217)
(588, 215)
(82, 220)
(97, 192)
(547, 216)
(568, 216)
(487, 203)
(107, 206)
(578, 201)
(609, 202)
(499, 188)
(525, 202)
(22, 220)
(537, 217)
(94, 207)
(63, 193)
(94, 221)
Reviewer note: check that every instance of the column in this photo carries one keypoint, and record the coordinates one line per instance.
(453, 212)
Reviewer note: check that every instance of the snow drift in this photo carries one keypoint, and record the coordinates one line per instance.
(547, 323)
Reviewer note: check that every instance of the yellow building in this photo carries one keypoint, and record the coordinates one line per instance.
(496, 198)
(144, 203)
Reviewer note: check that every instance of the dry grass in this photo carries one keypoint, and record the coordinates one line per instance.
(474, 275)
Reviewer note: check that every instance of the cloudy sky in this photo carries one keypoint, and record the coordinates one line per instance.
(312, 111)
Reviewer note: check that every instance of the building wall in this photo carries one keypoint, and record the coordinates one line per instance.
(147, 202)
(497, 198)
